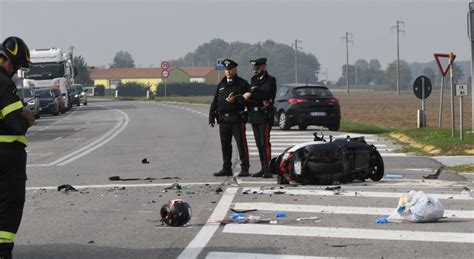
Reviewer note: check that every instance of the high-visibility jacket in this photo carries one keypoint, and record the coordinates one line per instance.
(12, 125)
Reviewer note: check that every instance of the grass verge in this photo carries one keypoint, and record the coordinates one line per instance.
(433, 141)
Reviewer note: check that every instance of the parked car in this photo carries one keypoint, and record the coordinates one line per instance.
(304, 105)
(48, 103)
(31, 101)
(78, 94)
(60, 100)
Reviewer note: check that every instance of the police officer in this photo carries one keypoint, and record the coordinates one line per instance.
(228, 108)
(14, 122)
(261, 112)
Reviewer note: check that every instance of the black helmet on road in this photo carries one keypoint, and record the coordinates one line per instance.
(175, 213)
(16, 51)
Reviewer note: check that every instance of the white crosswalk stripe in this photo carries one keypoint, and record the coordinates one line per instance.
(281, 140)
(288, 227)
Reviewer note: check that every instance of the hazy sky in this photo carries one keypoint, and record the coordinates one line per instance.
(158, 30)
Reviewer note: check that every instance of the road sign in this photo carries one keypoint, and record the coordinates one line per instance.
(418, 87)
(165, 73)
(461, 90)
(219, 65)
(443, 71)
(165, 65)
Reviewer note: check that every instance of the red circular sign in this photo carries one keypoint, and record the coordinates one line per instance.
(165, 73)
(165, 65)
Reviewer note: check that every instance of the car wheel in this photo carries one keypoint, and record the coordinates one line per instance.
(378, 170)
(37, 116)
(85, 103)
(302, 126)
(283, 121)
(56, 113)
(335, 126)
(78, 104)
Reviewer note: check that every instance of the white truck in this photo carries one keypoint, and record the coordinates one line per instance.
(51, 68)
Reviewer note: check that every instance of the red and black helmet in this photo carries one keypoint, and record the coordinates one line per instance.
(16, 51)
(175, 213)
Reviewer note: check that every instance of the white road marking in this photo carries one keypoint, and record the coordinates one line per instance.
(228, 255)
(200, 241)
(35, 131)
(361, 194)
(108, 136)
(267, 206)
(279, 148)
(353, 233)
(58, 138)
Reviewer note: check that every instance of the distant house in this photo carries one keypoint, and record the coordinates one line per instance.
(111, 77)
(207, 75)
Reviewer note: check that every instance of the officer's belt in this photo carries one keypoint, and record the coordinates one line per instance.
(227, 115)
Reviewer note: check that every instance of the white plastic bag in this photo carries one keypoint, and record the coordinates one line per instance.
(417, 207)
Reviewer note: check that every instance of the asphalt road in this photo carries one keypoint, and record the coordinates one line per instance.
(120, 219)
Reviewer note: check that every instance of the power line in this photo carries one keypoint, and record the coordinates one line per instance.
(295, 45)
(348, 38)
(398, 30)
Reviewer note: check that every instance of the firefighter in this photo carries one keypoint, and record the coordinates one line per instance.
(14, 122)
(262, 112)
(228, 108)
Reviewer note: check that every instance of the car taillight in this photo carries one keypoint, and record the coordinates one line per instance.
(294, 101)
(333, 101)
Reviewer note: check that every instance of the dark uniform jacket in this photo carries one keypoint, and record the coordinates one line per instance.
(262, 89)
(12, 125)
(224, 111)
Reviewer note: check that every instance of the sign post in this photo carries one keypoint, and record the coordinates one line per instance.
(471, 39)
(219, 68)
(422, 89)
(443, 72)
(164, 72)
(461, 91)
(451, 73)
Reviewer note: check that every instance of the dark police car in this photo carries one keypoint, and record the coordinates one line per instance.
(304, 105)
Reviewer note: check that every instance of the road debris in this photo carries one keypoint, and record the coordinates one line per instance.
(435, 175)
(315, 219)
(170, 178)
(415, 207)
(145, 161)
(118, 178)
(175, 213)
(174, 186)
(280, 214)
(67, 188)
(330, 188)
(243, 211)
(219, 190)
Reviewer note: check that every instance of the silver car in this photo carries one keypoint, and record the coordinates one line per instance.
(31, 101)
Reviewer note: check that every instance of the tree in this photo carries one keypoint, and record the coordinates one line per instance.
(430, 73)
(377, 75)
(342, 80)
(83, 76)
(374, 65)
(405, 75)
(123, 59)
(458, 73)
(363, 75)
(280, 59)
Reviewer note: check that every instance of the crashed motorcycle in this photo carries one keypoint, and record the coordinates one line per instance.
(325, 162)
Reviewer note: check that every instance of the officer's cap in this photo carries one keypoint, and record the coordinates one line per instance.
(258, 62)
(229, 63)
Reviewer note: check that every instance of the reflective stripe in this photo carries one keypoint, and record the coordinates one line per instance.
(6, 237)
(11, 107)
(13, 138)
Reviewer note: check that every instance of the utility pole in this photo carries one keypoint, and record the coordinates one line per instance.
(398, 30)
(348, 39)
(296, 58)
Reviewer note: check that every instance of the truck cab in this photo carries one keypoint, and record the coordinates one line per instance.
(51, 68)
